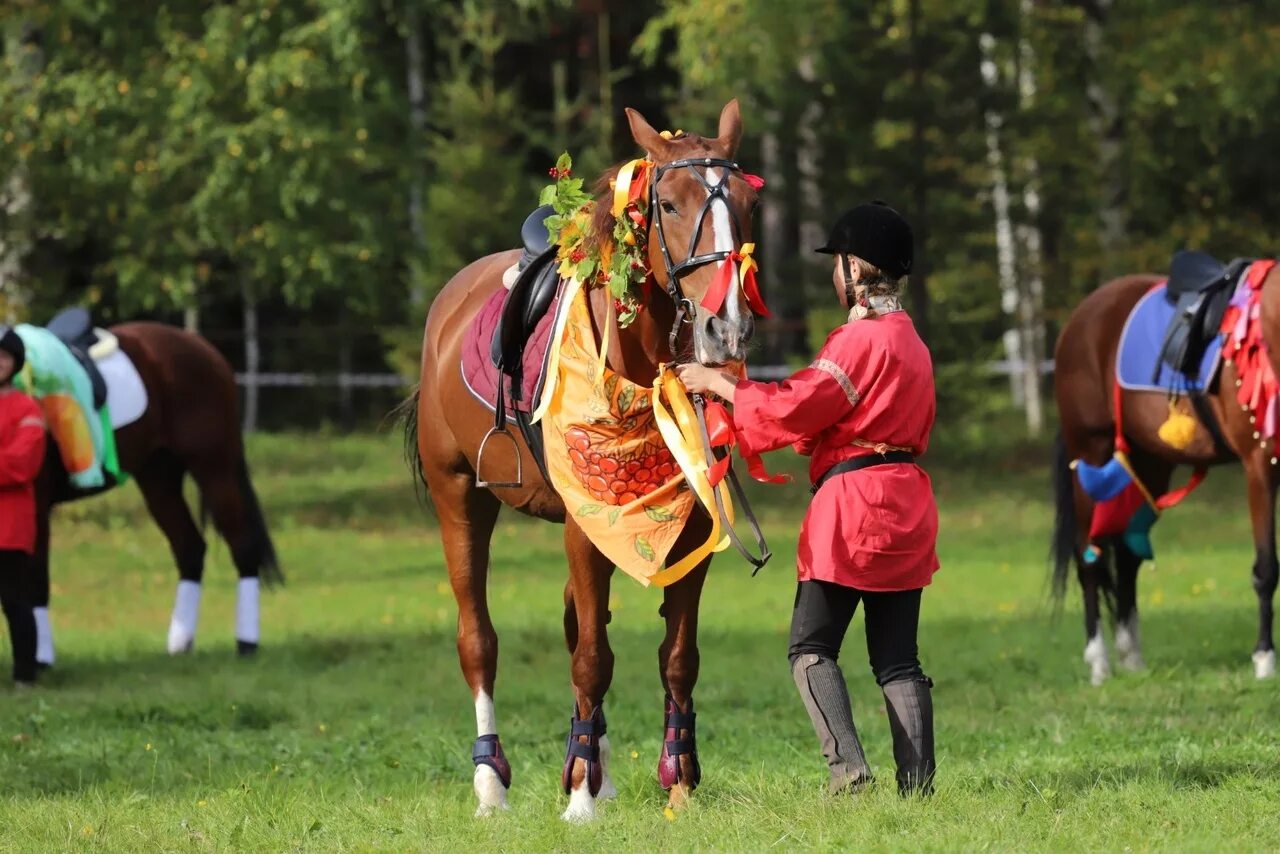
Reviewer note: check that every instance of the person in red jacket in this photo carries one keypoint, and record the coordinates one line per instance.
(22, 448)
(862, 411)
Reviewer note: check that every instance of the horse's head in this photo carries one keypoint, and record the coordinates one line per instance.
(700, 211)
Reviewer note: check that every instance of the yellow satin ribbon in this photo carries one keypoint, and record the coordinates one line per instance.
(680, 432)
(552, 383)
(747, 263)
(622, 187)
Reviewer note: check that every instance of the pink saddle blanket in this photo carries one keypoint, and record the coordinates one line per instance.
(478, 371)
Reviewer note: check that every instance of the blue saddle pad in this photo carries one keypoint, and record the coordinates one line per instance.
(1140, 345)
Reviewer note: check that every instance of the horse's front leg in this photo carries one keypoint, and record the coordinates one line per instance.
(678, 660)
(1262, 509)
(583, 776)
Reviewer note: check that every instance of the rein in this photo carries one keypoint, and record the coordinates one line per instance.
(699, 406)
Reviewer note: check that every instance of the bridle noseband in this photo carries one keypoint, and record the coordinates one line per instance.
(685, 309)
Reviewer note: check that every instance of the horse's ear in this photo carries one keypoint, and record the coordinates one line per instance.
(645, 136)
(730, 128)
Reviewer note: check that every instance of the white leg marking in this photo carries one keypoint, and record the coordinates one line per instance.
(247, 619)
(1129, 644)
(44, 637)
(607, 789)
(490, 793)
(186, 614)
(1264, 664)
(582, 807)
(1095, 655)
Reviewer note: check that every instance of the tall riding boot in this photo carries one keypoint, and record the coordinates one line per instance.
(910, 708)
(823, 690)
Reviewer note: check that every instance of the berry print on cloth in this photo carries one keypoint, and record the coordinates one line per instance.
(618, 479)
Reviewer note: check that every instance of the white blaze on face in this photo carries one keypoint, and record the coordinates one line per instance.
(722, 231)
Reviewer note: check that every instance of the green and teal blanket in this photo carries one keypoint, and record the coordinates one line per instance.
(57, 380)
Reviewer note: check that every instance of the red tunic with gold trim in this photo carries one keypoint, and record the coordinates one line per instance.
(875, 528)
(21, 456)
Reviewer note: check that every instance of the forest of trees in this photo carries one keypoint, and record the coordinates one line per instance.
(338, 160)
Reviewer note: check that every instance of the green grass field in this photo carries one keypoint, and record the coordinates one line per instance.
(352, 729)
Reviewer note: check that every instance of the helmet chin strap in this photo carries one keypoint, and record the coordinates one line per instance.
(848, 280)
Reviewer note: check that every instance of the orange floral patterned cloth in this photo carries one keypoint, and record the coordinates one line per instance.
(607, 456)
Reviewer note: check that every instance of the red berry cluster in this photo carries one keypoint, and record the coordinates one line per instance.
(614, 479)
(577, 256)
(559, 173)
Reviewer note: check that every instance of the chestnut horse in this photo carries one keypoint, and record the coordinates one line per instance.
(191, 426)
(1084, 382)
(694, 204)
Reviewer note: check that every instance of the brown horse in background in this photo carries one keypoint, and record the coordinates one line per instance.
(191, 426)
(446, 425)
(1084, 381)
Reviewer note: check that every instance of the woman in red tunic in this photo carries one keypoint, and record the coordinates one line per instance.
(22, 445)
(862, 412)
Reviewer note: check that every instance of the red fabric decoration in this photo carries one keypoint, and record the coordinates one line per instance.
(721, 434)
(715, 296)
(754, 181)
(1111, 518)
(1246, 349)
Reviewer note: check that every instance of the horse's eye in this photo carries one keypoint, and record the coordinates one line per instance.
(669, 208)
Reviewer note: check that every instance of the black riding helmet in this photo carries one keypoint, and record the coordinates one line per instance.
(876, 233)
(12, 344)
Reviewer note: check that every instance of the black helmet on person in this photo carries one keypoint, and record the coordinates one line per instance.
(12, 344)
(875, 233)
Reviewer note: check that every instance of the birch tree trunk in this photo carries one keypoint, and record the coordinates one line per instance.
(1107, 125)
(252, 355)
(418, 123)
(1031, 272)
(1006, 252)
(15, 188)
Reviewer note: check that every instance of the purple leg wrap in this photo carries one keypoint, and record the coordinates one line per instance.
(589, 752)
(488, 751)
(673, 747)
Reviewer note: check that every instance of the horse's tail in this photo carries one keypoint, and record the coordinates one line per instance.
(262, 551)
(1063, 547)
(407, 414)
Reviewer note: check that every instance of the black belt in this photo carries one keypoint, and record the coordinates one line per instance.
(857, 463)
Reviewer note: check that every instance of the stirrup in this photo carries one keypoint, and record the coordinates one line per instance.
(515, 448)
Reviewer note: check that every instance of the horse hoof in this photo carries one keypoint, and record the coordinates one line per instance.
(1133, 663)
(679, 797)
(582, 807)
(1264, 664)
(179, 647)
(490, 791)
(246, 648)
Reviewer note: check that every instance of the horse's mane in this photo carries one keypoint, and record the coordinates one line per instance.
(602, 218)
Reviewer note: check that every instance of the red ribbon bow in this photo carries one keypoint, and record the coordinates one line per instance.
(719, 290)
(720, 434)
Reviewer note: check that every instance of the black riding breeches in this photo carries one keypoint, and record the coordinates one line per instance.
(821, 617)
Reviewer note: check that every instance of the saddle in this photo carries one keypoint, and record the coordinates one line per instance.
(1200, 287)
(525, 305)
(74, 327)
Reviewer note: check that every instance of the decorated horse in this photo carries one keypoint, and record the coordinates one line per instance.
(1155, 372)
(658, 268)
(163, 402)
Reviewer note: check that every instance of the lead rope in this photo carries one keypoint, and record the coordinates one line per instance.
(736, 486)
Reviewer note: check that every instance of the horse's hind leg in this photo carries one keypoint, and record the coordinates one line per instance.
(1094, 572)
(1128, 642)
(161, 484)
(228, 497)
(1262, 509)
(678, 662)
(467, 516)
(583, 774)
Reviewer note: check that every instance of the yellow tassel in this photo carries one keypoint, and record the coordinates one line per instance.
(1178, 431)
